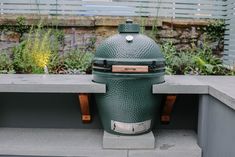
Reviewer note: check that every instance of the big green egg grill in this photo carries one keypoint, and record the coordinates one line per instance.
(129, 63)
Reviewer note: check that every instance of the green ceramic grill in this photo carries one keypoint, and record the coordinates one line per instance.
(129, 63)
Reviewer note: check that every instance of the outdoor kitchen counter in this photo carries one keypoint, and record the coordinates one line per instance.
(219, 87)
(216, 110)
(216, 116)
(35, 83)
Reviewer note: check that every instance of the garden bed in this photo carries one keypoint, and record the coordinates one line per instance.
(190, 46)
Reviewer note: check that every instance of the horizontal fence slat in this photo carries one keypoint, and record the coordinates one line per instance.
(22, 7)
(229, 39)
(227, 42)
(232, 35)
(232, 23)
(204, 2)
(176, 8)
(230, 31)
(230, 57)
(220, 2)
(230, 27)
(126, 4)
(230, 47)
(230, 51)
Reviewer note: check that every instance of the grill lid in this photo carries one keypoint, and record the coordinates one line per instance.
(128, 52)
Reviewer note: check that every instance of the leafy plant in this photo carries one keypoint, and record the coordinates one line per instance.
(34, 54)
(198, 61)
(20, 27)
(215, 30)
(209, 64)
(90, 46)
(78, 60)
(59, 35)
(6, 65)
(40, 54)
(21, 59)
(176, 63)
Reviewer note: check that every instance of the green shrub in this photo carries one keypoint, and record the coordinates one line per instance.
(21, 60)
(6, 65)
(215, 30)
(176, 63)
(40, 54)
(78, 60)
(197, 61)
(59, 35)
(19, 27)
(208, 64)
(34, 54)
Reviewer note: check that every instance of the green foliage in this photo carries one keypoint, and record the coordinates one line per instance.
(76, 59)
(208, 64)
(5, 63)
(144, 19)
(176, 63)
(215, 30)
(19, 27)
(149, 31)
(90, 46)
(34, 54)
(143, 24)
(21, 60)
(42, 51)
(59, 35)
(199, 61)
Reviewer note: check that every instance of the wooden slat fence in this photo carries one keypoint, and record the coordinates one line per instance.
(164, 8)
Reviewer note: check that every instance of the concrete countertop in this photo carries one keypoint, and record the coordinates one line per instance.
(220, 87)
(34, 83)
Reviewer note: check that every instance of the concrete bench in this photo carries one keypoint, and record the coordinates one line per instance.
(219, 87)
(216, 116)
(28, 83)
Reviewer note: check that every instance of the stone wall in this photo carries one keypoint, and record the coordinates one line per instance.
(88, 32)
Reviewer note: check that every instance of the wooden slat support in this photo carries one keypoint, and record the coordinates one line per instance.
(85, 107)
(168, 108)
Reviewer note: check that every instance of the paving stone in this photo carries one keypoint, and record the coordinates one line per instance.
(54, 142)
(145, 141)
(172, 143)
